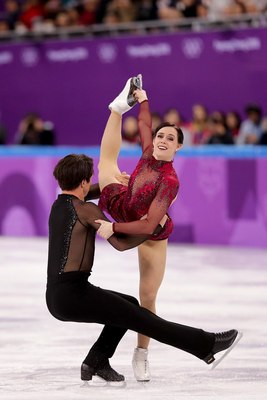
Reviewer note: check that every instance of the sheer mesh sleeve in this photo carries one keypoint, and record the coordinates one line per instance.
(145, 128)
(94, 192)
(89, 212)
(158, 208)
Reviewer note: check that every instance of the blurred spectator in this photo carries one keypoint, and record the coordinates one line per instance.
(237, 8)
(250, 129)
(52, 8)
(74, 17)
(251, 6)
(32, 11)
(233, 121)
(263, 138)
(124, 10)
(89, 12)
(173, 117)
(198, 128)
(177, 9)
(146, 10)
(217, 8)
(111, 17)
(202, 10)
(156, 120)
(4, 28)
(167, 10)
(20, 28)
(2, 134)
(12, 9)
(34, 131)
(219, 134)
(130, 132)
(62, 19)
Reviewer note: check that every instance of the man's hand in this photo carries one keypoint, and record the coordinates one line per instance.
(123, 178)
(105, 230)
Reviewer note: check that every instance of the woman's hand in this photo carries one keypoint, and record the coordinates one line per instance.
(123, 178)
(105, 230)
(162, 222)
(140, 95)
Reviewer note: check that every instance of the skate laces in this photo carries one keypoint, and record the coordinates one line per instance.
(222, 336)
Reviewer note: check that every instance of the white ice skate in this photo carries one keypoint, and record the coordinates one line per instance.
(125, 100)
(141, 365)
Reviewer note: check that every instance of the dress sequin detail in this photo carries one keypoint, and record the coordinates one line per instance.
(67, 234)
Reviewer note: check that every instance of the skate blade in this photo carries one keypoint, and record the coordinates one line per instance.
(139, 81)
(102, 383)
(225, 354)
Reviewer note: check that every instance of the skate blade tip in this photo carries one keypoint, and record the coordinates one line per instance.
(219, 360)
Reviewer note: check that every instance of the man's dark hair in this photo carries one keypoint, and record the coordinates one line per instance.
(71, 170)
(180, 135)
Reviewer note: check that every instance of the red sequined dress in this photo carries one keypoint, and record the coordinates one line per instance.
(152, 187)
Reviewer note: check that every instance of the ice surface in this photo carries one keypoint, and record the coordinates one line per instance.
(215, 288)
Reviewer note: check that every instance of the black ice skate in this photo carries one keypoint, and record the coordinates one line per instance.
(223, 341)
(104, 371)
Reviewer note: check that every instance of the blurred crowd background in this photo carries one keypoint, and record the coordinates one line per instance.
(46, 16)
(204, 128)
(205, 125)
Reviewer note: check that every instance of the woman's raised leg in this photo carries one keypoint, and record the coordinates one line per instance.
(111, 141)
(109, 151)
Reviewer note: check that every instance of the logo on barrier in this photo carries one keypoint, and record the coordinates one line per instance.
(6, 57)
(66, 55)
(29, 57)
(192, 48)
(233, 45)
(149, 50)
(210, 178)
(107, 52)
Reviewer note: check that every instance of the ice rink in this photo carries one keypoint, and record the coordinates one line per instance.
(215, 288)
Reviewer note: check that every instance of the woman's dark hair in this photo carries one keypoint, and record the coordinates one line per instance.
(71, 170)
(180, 135)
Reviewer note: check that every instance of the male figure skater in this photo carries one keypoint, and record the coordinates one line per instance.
(71, 297)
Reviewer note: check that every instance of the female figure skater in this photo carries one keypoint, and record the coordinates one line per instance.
(70, 297)
(153, 186)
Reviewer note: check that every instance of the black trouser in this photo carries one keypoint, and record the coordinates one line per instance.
(77, 300)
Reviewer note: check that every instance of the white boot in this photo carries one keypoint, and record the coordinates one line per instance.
(141, 365)
(125, 100)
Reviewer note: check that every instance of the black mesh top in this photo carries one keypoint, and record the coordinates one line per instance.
(72, 231)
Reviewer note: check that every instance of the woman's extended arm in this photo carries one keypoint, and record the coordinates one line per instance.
(144, 122)
(89, 212)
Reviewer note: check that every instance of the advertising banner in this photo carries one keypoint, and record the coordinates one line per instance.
(221, 200)
(72, 82)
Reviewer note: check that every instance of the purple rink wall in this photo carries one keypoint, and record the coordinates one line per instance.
(71, 82)
(222, 198)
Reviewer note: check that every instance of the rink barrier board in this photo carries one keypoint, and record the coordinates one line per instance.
(222, 198)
